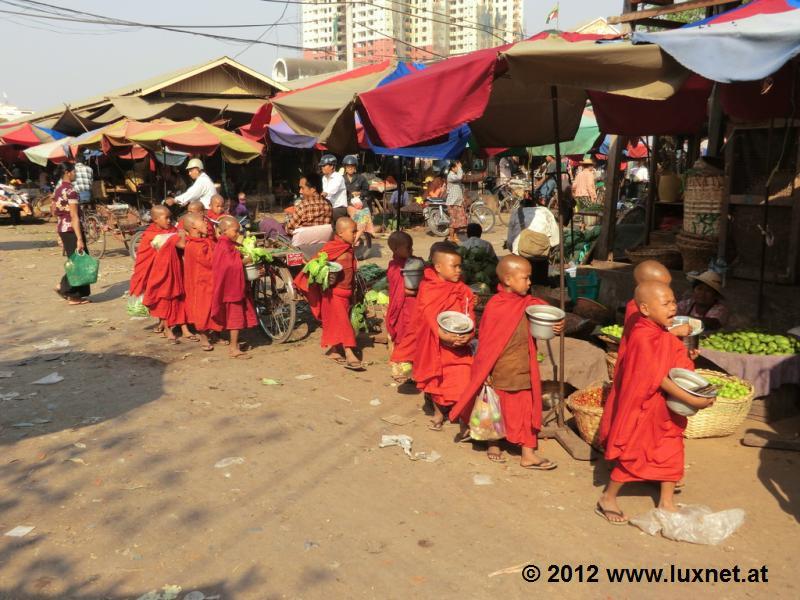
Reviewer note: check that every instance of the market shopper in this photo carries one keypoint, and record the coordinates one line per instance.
(67, 208)
(202, 189)
(704, 302)
(84, 176)
(455, 200)
(311, 221)
(583, 186)
(356, 184)
(334, 189)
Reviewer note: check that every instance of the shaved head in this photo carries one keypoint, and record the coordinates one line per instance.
(195, 206)
(343, 224)
(399, 239)
(650, 291)
(656, 302)
(227, 222)
(194, 220)
(651, 270)
(510, 263)
(159, 209)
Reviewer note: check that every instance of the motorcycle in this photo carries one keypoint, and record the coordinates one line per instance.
(16, 204)
(434, 211)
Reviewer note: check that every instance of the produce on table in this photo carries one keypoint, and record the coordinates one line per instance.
(478, 266)
(614, 331)
(730, 388)
(318, 270)
(381, 285)
(371, 272)
(376, 297)
(592, 396)
(358, 317)
(752, 342)
(256, 254)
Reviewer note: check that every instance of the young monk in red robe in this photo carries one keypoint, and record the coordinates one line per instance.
(145, 253)
(648, 270)
(402, 304)
(506, 360)
(332, 306)
(198, 278)
(645, 437)
(231, 306)
(443, 360)
(194, 207)
(164, 293)
(215, 212)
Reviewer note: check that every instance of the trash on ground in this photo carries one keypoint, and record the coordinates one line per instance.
(53, 343)
(23, 424)
(168, 592)
(309, 545)
(431, 456)
(9, 396)
(343, 398)
(267, 381)
(692, 523)
(6, 374)
(49, 379)
(480, 479)
(251, 406)
(20, 531)
(197, 595)
(397, 420)
(509, 570)
(304, 377)
(41, 421)
(78, 461)
(405, 442)
(229, 462)
(375, 402)
(80, 445)
(98, 321)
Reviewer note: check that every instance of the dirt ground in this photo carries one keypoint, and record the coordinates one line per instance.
(116, 467)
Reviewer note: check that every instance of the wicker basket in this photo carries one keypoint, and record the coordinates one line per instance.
(696, 251)
(587, 418)
(611, 363)
(590, 309)
(668, 256)
(612, 344)
(724, 416)
(702, 199)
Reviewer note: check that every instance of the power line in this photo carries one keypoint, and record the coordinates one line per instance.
(263, 33)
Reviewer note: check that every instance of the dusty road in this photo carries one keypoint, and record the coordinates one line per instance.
(116, 468)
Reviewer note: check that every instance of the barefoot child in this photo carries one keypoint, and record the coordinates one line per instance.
(231, 306)
(332, 306)
(402, 303)
(164, 293)
(198, 278)
(506, 359)
(645, 437)
(442, 360)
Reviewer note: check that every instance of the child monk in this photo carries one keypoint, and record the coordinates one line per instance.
(198, 279)
(164, 294)
(402, 304)
(443, 360)
(332, 306)
(645, 437)
(145, 253)
(194, 207)
(506, 359)
(231, 306)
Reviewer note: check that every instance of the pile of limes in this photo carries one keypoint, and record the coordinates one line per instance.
(730, 388)
(614, 331)
(752, 342)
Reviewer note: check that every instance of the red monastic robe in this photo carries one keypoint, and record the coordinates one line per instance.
(440, 370)
(145, 254)
(210, 216)
(164, 293)
(645, 437)
(231, 305)
(332, 306)
(400, 314)
(521, 409)
(198, 281)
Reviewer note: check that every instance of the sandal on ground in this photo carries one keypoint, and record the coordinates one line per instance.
(192, 338)
(79, 301)
(462, 438)
(544, 465)
(354, 366)
(241, 356)
(601, 512)
(173, 341)
(158, 330)
(434, 426)
(339, 360)
(207, 348)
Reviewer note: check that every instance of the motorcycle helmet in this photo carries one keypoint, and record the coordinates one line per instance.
(327, 159)
(350, 159)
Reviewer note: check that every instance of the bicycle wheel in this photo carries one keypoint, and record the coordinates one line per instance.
(94, 236)
(133, 244)
(438, 223)
(483, 216)
(275, 303)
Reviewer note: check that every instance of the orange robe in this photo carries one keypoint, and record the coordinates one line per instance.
(332, 306)
(231, 305)
(198, 281)
(145, 254)
(521, 409)
(164, 294)
(400, 314)
(645, 437)
(211, 217)
(439, 370)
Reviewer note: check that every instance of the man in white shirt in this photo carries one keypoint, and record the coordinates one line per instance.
(202, 189)
(334, 189)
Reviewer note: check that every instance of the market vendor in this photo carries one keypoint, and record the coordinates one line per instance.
(704, 301)
(356, 184)
(202, 189)
(310, 222)
(583, 187)
(334, 189)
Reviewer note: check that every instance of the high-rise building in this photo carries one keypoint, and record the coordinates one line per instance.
(408, 29)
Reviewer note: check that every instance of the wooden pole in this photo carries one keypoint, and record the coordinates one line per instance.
(765, 223)
(652, 190)
(561, 282)
(605, 243)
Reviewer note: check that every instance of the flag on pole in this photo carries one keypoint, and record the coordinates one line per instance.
(552, 15)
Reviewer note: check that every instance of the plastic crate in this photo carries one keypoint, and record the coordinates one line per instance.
(584, 286)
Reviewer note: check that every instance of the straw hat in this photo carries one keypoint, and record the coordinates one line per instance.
(711, 279)
(587, 160)
(194, 163)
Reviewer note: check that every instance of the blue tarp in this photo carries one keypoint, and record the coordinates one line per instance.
(748, 43)
(56, 135)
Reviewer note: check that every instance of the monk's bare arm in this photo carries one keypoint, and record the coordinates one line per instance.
(671, 388)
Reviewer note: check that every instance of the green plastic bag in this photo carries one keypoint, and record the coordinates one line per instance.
(81, 269)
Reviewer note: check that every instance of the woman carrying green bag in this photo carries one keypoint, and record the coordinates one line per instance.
(67, 209)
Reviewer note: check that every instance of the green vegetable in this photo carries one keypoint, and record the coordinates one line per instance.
(371, 272)
(478, 266)
(376, 297)
(318, 270)
(358, 317)
(752, 342)
(256, 254)
(136, 308)
(381, 285)
(731, 389)
(614, 331)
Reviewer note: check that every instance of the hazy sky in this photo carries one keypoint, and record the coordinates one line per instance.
(49, 62)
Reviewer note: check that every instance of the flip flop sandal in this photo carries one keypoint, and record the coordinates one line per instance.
(158, 330)
(173, 341)
(79, 302)
(462, 438)
(496, 458)
(339, 360)
(207, 348)
(435, 426)
(354, 366)
(545, 465)
(601, 512)
(192, 338)
(242, 356)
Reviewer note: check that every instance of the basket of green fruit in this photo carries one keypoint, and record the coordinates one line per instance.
(752, 342)
(730, 408)
(611, 335)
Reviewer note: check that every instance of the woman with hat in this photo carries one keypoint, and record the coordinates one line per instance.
(583, 187)
(705, 301)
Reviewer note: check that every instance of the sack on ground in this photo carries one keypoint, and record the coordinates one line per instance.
(486, 421)
(81, 269)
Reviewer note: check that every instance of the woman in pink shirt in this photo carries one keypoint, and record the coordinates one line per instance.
(583, 187)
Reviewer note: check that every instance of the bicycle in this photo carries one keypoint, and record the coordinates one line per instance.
(274, 295)
(94, 232)
(438, 220)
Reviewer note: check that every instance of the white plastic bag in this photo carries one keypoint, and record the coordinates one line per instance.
(692, 523)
